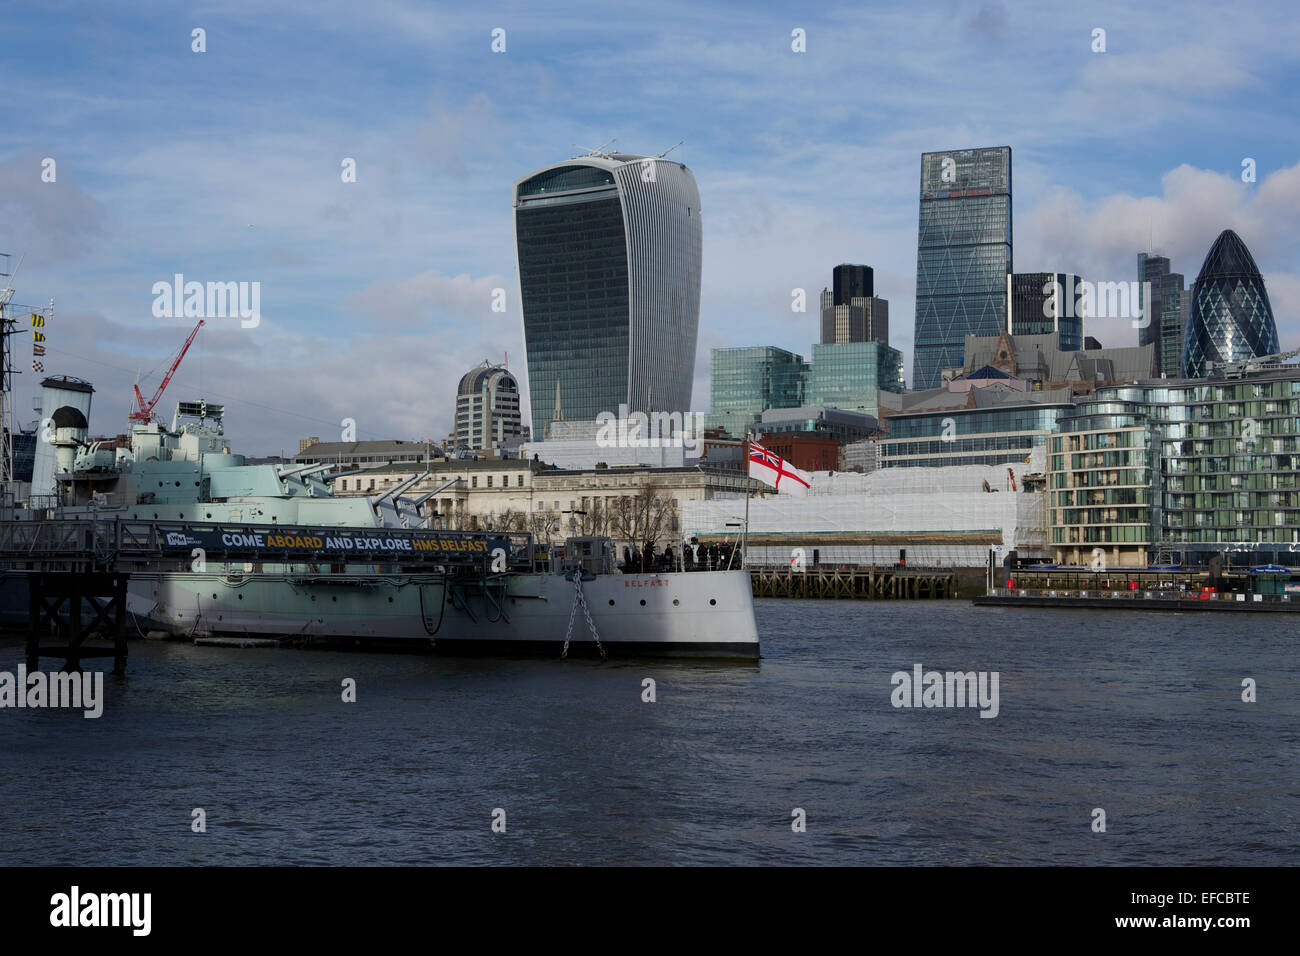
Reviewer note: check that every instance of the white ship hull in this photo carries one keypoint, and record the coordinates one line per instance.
(702, 614)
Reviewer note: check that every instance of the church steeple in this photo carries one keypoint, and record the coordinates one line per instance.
(558, 414)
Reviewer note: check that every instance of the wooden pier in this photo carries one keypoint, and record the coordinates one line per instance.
(854, 583)
(56, 600)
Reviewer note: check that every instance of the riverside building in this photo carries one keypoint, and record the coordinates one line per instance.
(1184, 471)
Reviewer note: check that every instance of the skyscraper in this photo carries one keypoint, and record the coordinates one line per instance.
(609, 248)
(851, 312)
(1230, 317)
(963, 255)
(852, 282)
(1165, 316)
(1044, 303)
(487, 410)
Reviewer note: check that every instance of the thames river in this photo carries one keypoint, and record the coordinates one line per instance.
(1139, 716)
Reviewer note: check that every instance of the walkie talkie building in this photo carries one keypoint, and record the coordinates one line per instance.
(609, 249)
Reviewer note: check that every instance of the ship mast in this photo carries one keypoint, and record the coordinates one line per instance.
(8, 330)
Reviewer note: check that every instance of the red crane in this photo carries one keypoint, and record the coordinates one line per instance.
(1010, 473)
(144, 411)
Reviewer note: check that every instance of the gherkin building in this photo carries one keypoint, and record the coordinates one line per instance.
(1230, 317)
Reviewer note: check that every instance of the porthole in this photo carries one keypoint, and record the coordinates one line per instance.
(209, 514)
(642, 601)
(241, 597)
(178, 484)
(611, 602)
(676, 602)
(713, 600)
(335, 599)
(214, 597)
(390, 600)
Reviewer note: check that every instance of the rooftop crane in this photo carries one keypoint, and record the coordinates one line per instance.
(144, 410)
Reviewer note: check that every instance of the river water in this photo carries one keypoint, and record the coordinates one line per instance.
(1136, 714)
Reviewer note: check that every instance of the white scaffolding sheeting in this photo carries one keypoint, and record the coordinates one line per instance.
(897, 502)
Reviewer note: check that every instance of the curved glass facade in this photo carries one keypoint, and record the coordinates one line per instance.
(1230, 318)
(1208, 466)
(609, 252)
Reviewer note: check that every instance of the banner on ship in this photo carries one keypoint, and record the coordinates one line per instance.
(431, 546)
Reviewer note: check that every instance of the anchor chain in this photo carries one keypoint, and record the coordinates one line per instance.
(580, 599)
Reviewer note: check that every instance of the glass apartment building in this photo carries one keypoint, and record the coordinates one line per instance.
(745, 382)
(850, 375)
(1181, 471)
(1046, 303)
(968, 436)
(963, 255)
(1099, 485)
(609, 249)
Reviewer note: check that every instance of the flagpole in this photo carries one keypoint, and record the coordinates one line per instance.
(744, 543)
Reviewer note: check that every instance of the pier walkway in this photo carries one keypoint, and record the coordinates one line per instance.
(854, 583)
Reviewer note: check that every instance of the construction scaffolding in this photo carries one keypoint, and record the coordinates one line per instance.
(941, 517)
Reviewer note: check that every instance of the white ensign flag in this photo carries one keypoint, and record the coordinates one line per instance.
(772, 469)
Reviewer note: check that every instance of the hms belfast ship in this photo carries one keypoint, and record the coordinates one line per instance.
(268, 551)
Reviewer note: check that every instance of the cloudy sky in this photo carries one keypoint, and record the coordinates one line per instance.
(376, 295)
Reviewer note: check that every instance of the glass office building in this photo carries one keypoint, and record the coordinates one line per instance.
(745, 382)
(1230, 317)
(850, 375)
(969, 436)
(1046, 303)
(963, 255)
(609, 250)
(1165, 316)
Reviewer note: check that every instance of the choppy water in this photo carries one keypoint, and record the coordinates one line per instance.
(1139, 714)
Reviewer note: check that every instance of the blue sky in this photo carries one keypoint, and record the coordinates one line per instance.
(376, 295)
